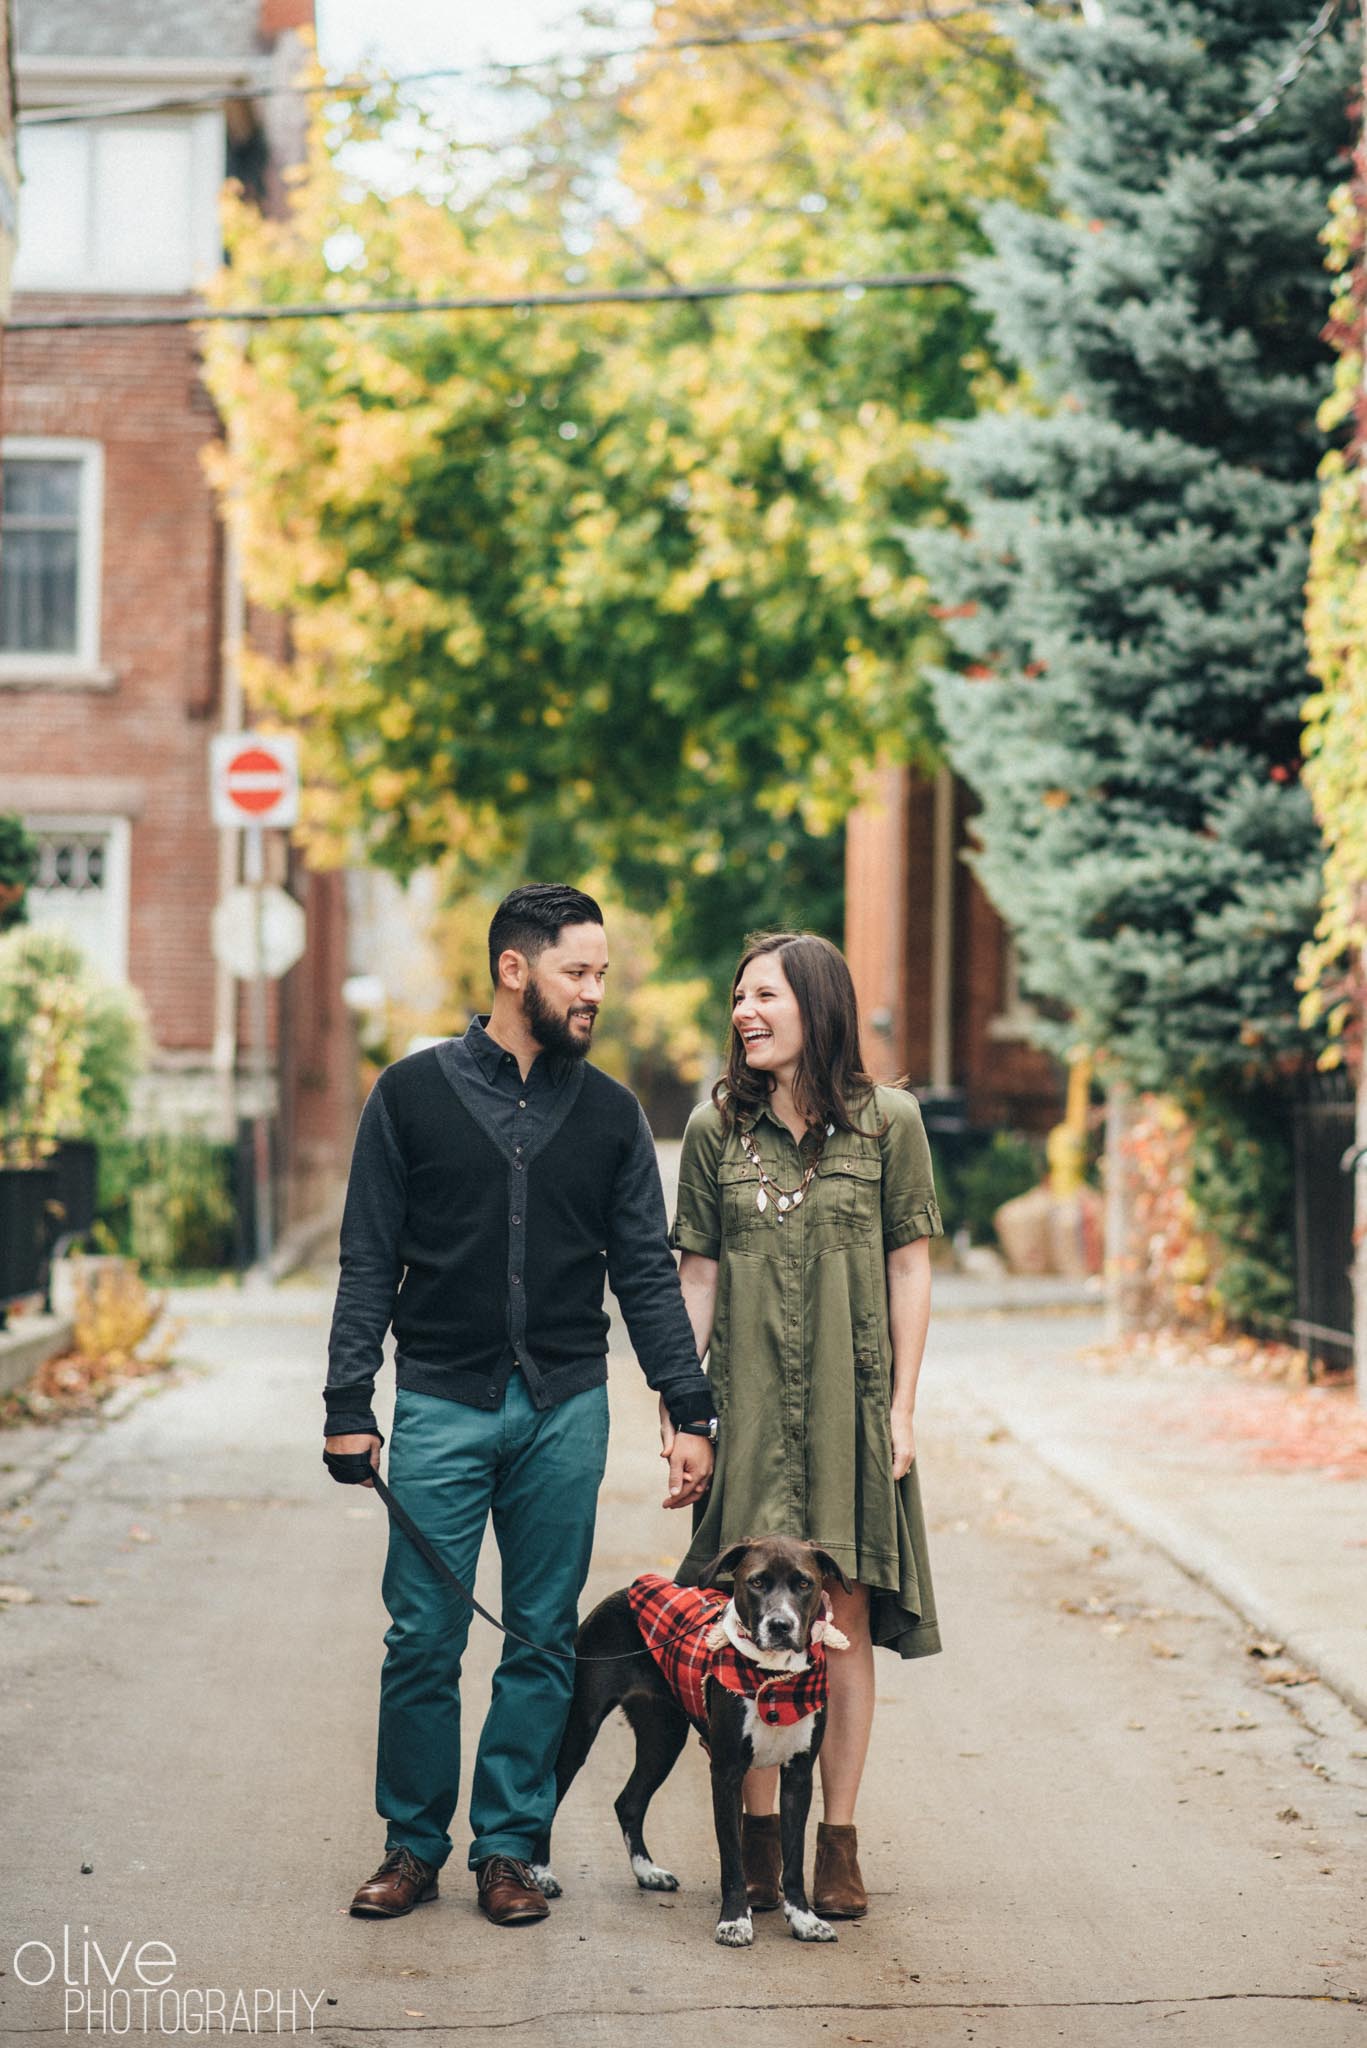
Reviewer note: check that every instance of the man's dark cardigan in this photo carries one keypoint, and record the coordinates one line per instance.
(483, 1215)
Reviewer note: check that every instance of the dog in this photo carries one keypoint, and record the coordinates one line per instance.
(748, 1673)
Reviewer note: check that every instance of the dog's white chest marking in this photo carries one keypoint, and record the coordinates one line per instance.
(776, 1745)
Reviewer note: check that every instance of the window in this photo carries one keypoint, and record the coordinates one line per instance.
(81, 887)
(126, 207)
(1017, 1013)
(50, 508)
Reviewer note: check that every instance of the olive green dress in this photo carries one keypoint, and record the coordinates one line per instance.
(801, 1354)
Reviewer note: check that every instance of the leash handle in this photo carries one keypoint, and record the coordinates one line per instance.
(399, 1514)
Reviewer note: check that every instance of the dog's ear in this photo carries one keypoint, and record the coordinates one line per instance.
(725, 1565)
(830, 1569)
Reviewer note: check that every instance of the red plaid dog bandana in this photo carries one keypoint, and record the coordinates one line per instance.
(675, 1622)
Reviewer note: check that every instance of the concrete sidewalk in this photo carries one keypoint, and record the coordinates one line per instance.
(1213, 1468)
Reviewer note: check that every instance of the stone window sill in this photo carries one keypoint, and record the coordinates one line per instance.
(18, 674)
(1013, 1024)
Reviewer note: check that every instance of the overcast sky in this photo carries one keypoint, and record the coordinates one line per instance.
(409, 34)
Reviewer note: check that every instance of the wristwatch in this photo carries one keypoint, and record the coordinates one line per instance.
(707, 1429)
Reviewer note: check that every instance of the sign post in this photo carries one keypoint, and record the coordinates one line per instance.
(254, 780)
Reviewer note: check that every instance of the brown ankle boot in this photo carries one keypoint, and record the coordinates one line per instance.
(837, 1888)
(761, 1850)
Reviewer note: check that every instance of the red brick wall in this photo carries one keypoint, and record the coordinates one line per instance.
(138, 394)
(874, 918)
(1009, 1081)
(888, 941)
(320, 1093)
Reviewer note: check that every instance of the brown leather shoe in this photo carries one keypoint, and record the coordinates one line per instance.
(402, 1882)
(837, 1888)
(508, 1893)
(761, 1850)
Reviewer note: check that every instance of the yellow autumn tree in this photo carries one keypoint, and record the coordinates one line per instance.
(625, 587)
(1335, 738)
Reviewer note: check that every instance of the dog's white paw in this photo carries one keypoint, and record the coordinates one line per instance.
(736, 1933)
(546, 1880)
(653, 1877)
(808, 1926)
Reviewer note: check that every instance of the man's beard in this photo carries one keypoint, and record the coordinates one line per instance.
(550, 1030)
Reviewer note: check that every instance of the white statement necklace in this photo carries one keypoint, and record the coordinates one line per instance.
(785, 1200)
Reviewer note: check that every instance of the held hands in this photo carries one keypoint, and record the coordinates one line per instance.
(903, 1443)
(690, 1464)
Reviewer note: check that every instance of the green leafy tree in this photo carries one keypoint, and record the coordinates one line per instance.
(1125, 601)
(620, 588)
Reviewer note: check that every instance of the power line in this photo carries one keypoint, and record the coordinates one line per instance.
(1286, 77)
(792, 32)
(497, 302)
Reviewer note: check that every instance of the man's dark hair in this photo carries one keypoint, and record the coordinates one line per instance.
(531, 918)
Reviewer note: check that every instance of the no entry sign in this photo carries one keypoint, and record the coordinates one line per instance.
(254, 779)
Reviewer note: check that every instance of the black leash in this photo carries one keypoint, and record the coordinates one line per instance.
(346, 1467)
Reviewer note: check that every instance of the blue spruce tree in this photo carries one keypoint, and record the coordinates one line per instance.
(1126, 598)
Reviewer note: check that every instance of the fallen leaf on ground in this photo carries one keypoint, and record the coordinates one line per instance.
(1266, 1648)
(1287, 1674)
(410, 2013)
(16, 1596)
(1288, 1813)
(81, 1600)
(1320, 1429)
(1163, 1649)
(137, 1534)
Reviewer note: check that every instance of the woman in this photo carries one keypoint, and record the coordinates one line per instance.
(806, 1207)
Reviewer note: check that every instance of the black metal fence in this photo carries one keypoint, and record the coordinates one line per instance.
(1323, 1119)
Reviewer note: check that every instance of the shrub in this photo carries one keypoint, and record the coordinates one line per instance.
(70, 1045)
(167, 1201)
(18, 859)
(1008, 1165)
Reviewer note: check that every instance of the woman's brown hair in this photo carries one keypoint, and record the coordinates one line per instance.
(830, 1085)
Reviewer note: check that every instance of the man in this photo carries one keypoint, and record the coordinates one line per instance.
(497, 1180)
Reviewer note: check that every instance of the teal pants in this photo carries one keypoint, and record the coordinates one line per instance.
(537, 1473)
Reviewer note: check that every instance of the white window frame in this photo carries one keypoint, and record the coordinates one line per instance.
(117, 872)
(17, 665)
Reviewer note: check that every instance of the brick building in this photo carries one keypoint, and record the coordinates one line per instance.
(121, 618)
(933, 963)
(9, 167)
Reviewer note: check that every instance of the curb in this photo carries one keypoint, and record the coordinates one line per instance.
(30, 1343)
(1205, 1562)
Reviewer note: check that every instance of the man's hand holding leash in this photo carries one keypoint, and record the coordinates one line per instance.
(341, 1454)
